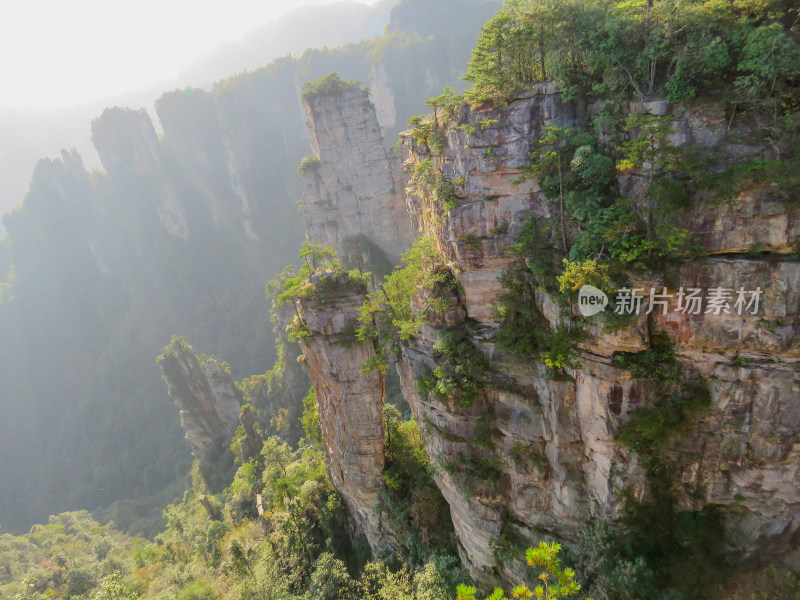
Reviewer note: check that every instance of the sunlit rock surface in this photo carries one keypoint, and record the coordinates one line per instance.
(356, 189)
(555, 442)
(350, 403)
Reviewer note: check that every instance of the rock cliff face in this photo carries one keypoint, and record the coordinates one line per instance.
(129, 149)
(210, 169)
(356, 189)
(556, 460)
(740, 456)
(350, 403)
(206, 396)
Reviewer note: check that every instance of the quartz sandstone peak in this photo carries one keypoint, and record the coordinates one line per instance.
(206, 396)
(356, 188)
(740, 456)
(559, 463)
(349, 402)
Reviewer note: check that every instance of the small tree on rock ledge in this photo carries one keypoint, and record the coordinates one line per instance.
(556, 583)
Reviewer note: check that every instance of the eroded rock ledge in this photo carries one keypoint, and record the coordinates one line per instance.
(556, 441)
(349, 402)
(206, 396)
(556, 461)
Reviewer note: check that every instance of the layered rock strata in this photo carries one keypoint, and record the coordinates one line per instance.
(555, 461)
(349, 402)
(560, 462)
(355, 189)
(206, 396)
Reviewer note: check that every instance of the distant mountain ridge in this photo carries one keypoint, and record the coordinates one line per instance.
(305, 27)
(29, 135)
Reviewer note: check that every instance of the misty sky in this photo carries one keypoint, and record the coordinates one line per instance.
(57, 53)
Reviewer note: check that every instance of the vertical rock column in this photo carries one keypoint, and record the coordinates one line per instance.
(207, 397)
(356, 188)
(350, 403)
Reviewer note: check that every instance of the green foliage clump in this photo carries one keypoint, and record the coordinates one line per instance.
(649, 152)
(445, 106)
(387, 316)
(578, 178)
(597, 237)
(534, 247)
(657, 362)
(459, 371)
(277, 391)
(310, 418)
(308, 164)
(430, 133)
(612, 49)
(478, 472)
(508, 58)
(555, 582)
(442, 192)
(659, 551)
(524, 331)
(485, 431)
(471, 241)
(723, 185)
(71, 556)
(579, 273)
(112, 588)
(328, 85)
(653, 425)
(573, 174)
(421, 131)
(293, 283)
(769, 584)
(413, 503)
(212, 548)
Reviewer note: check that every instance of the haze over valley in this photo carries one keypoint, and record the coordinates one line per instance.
(452, 300)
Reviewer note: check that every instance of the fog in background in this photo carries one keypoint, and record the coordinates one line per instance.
(59, 73)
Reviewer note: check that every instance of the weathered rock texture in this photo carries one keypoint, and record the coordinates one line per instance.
(210, 169)
(252, 441)
(555, 440)
(356, 189)
(557, 462)
(350, 403)
(206, 396)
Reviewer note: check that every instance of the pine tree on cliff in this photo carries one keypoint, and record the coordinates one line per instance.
(555, 583)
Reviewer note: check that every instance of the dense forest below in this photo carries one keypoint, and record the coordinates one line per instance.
(165, 242)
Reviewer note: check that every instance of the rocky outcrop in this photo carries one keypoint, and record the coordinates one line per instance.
(349, 402)
(538, 455)
(206, 396)
(556, 462)
(126, 142)
(492, 207)
(355, 189)
(252, 440)
(131, 153)
(178, 234)
(760, 218)
(209, 170)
